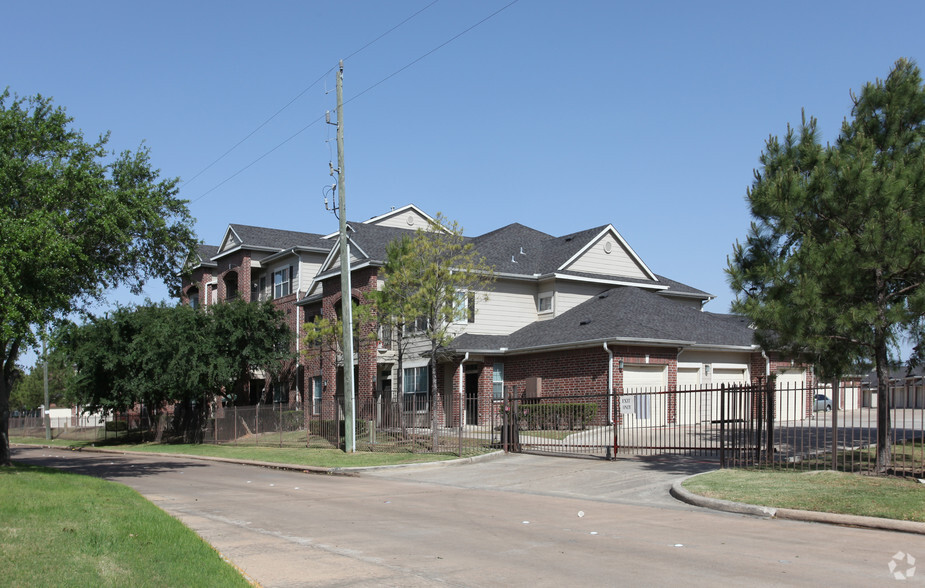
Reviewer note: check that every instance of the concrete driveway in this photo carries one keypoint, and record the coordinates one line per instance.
(643, 481)
(516, 521)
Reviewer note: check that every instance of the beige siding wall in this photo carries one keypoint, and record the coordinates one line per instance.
(619, 262)
(400, 221)
(510, 306)
(571, 294)
(691, 302)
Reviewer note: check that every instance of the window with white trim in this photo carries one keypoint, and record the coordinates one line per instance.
(418, 325)
(385, 336)
(544, 303)
(465, 307)
(316, 395)
(497, 381)
(282, 282)
(416, 384)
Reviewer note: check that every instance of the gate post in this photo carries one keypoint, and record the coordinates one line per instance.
(770, 393)
(758, 406)
(722, 426)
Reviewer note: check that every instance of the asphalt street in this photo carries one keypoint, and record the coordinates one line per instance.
(517, 520)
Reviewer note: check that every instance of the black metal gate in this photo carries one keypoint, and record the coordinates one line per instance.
(726, 421)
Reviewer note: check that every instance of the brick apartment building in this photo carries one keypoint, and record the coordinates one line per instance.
(579, 313)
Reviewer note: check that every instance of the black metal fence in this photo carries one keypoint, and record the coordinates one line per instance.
(782, 427)
(794, 427)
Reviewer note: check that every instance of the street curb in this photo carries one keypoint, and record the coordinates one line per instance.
(684, 495)
(305, 469)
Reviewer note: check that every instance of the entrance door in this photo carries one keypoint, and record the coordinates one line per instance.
(472, 399)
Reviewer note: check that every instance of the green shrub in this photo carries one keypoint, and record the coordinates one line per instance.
(116, 426)
(555, 416)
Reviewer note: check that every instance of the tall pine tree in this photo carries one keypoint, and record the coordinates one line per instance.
(834, 263)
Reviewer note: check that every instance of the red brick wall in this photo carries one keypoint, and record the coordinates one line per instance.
(322, 362)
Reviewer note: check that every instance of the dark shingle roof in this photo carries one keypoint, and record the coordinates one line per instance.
(518, 249)
(624, 313)
(373, 239)
(278, 238)
(206, 252)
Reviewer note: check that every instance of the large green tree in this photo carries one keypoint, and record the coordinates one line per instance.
(75, 221)
(834, 263)
(245, 338)
(158, 354)
(432, 283)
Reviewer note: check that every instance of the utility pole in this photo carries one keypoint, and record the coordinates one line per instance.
(47, 414)
(345, 286)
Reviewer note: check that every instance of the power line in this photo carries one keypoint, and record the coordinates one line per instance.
(369, 88)
(434, 50)
(297, 96)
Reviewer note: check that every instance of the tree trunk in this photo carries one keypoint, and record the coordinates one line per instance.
(10, 351)
(835, 392)
(433, 398)
(883, 402)
(6, 458)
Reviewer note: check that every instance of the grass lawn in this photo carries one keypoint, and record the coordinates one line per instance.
(823, 491)
(61, 529)
(320, 457)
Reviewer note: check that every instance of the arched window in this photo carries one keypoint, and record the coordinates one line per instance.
(231, 285)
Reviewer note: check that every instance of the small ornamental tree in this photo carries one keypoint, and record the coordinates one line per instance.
(834, 263)
(433, 281)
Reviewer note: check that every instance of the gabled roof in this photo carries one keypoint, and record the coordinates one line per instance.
(266, 239)
(205, 253)
(623, 314)
(519, 250)
(368, 245)
(389, 218)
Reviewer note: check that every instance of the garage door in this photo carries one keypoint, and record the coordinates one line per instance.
(790, 398)
(645, 382)
(729, 376)
(693, 404)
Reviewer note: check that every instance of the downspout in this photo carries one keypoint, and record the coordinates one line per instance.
(462, 393)
(462, 389)
(609, 384)
(767, 365)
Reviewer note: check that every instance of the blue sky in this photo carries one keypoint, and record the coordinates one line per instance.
(557, 115)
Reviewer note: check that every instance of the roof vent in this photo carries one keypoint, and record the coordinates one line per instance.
(522, 251)
(603, 295)
(513, 260)
(567, 239)
(585, 322)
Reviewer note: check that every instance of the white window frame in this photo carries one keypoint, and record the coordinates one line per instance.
(497, 381)
(465, 307)
(551, 297)
(282, 282)
(413, 398)
(316, 395)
